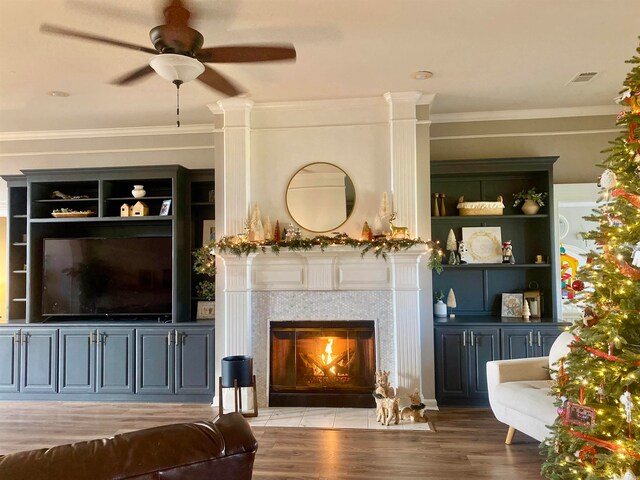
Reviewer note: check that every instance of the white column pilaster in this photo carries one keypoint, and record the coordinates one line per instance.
(233, 195)
(406, 312)
(404, 174)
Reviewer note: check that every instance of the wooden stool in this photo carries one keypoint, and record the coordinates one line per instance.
(237, 398)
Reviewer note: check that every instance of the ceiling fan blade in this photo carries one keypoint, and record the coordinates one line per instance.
(218, 82)
(246, 53)
(95, 38)
(133, 76)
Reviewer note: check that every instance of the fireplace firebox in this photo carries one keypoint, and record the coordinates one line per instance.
(322, 364)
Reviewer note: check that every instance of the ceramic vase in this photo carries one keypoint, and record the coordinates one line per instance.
(138, 191)
(439, 309)
(530, 207)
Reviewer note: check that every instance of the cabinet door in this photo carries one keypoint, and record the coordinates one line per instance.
(38, 360)
(518, 342)
(451, 365)
(76, 373)
(115, 360)
(9, 355)
(155, 367)
(194, 361)
(483, 346)
(545, 336)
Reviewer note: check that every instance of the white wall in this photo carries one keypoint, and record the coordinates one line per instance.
(352, 136)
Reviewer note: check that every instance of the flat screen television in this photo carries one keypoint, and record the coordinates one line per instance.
(107, 276)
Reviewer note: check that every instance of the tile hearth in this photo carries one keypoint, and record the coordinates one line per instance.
(338, 418)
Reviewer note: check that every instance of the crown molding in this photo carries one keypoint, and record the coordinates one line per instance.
(533, 114)
(106, 132)
(101, 151)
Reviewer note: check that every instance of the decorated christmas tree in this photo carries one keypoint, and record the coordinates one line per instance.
(597, 432)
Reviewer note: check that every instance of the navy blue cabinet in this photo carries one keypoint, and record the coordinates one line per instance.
(174, 360)
(9, 359)
(529, 341)
(95, 360)
(38, 360)
(462, 354)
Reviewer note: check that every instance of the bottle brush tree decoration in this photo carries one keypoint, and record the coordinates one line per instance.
(451, 302)
(526, 310)
(602, 371)
(452, 246)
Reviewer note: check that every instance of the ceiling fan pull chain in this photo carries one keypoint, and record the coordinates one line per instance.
(177, 83)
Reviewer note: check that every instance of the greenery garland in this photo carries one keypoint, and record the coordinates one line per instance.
(380, 247)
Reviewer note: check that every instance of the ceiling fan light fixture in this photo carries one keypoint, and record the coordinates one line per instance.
(176, 68)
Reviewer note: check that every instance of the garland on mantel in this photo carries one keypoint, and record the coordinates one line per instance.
(380, 247)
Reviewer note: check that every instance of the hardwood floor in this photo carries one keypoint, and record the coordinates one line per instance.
(469, 442)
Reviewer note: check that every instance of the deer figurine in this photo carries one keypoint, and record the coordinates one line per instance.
(397, 232)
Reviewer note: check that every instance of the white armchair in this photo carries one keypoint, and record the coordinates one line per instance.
(519, 391)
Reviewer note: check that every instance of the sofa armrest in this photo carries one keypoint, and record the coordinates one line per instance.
(502, 371)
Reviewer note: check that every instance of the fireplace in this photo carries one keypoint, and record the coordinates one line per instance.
(322, 363)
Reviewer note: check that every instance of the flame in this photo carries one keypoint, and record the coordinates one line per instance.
(327, 356)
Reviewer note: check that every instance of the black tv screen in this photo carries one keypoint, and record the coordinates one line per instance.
(107, 276)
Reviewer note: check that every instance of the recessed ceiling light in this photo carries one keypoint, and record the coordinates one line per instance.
(422, 75)
(57, 93)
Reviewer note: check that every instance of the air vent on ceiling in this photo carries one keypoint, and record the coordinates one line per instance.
(583, 77)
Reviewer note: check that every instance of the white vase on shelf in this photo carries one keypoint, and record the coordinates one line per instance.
(138, 191)
(439, 309)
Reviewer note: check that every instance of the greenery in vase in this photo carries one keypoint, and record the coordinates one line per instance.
(530, 194)
(600, 376)
(438, 296)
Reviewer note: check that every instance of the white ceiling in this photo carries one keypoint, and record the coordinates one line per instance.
(486, 55)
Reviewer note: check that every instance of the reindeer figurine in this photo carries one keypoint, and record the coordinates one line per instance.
(397, 232)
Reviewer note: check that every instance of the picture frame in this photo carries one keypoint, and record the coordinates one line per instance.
(166, 206)
(576, 414)
(512, 304)
(483, 244)
(208, 231)
(206, 310)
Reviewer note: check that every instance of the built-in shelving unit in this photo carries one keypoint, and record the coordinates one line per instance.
(478, 287)
(202, 187)
(478, 334)
(17, 248)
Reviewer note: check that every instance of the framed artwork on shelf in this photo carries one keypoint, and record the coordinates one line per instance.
(511, 305)
(166, 206)
(206, 310)
(483, 244)
(208, 231)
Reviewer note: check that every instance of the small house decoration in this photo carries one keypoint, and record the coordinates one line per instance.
(125, 210)
(140, 209)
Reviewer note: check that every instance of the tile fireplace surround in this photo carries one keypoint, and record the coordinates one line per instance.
(337, 284)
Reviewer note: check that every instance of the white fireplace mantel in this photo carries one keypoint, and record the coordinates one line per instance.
(321, 280)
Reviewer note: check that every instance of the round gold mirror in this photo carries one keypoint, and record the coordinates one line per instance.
(320, 197)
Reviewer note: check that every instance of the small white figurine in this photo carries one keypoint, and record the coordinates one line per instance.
(625, 399)
(462, 252)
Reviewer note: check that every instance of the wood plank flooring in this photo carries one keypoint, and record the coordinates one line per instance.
(469, 442)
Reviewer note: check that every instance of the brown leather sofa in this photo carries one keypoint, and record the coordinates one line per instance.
(195, 451)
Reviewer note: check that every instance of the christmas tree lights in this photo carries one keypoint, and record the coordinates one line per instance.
(596, 434)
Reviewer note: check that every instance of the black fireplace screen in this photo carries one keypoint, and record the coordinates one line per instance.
(323, 357)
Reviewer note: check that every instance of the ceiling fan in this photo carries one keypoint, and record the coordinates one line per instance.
(179, 56)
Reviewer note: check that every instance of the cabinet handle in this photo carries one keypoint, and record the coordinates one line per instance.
(464, 338)
(169, 338)
(531, 339)
(24, 338)
(472, 337)
(16, 338)
(539, 339)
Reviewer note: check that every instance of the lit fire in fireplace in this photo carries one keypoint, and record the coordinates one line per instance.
(327, 356)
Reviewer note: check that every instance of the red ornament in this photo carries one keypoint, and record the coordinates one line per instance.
(578, 285)
(587, 454)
